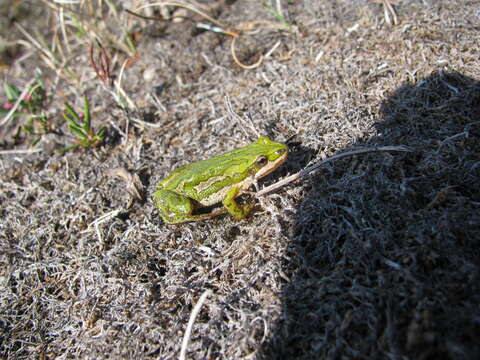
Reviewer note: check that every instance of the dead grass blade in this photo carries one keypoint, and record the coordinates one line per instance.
(191, 321)
(308, 170)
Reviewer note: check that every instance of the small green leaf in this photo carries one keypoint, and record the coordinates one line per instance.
(85, 143)
(11, 92)
(278, 15)
(73, 116)
(74, 125)
(86, 113)
(78, 131)
(130, 43)
(68, 148)
(101, 133)
(43, 119)
(81, 128)
(28, 130)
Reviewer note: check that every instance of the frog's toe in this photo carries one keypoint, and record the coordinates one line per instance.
(242, 211)
(247, 209)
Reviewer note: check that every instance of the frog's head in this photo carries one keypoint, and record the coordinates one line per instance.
(270, 155)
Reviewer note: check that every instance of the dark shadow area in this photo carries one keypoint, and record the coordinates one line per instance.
(387, 245)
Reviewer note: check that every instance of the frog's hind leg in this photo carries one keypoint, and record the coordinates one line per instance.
(174, 208)
(235, 209)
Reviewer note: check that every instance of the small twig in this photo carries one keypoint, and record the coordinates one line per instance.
(104, 218)
(279, 7)
(143, 16)
(102, 66)
(304, 172)
(147, 124)
(238, 118)
(217, 29)
(463, 133)
(254, 27)
(191, 321)
(265, 328)
(234, 56)
(274, 47)
(20, 151)
(388, 10)
(120, 96)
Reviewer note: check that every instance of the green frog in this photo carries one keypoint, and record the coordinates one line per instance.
(219, 179)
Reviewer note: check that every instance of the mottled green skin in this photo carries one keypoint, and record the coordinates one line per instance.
(221, 178)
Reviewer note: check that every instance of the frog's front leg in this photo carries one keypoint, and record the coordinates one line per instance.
(238, 211)
(174, 208)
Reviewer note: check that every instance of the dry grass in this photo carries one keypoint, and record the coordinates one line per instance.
(373, 256)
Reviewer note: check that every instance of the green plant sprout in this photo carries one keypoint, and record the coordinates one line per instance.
(82, 128)
(31, 103)
(278, 15)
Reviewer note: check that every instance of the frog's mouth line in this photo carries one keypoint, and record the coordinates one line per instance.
(267, 169)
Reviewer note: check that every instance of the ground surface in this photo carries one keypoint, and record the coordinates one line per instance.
(371, 257)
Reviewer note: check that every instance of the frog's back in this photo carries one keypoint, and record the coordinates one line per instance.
(226, 166)
(207, 180)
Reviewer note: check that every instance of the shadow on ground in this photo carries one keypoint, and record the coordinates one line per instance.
(387, 245)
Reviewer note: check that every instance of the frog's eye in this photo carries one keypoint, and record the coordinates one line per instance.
(261, 161)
